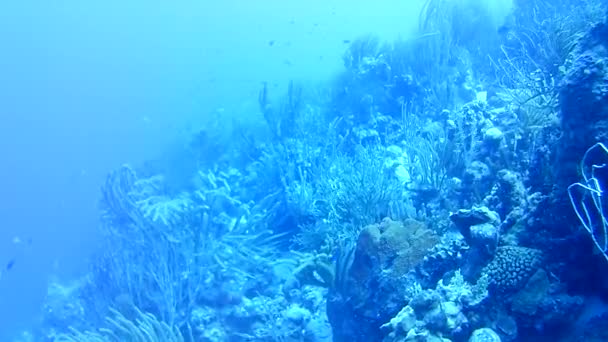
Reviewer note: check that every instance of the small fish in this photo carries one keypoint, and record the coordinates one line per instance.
(12, 261)
(346, 41)
(271, 42)
(10, 264)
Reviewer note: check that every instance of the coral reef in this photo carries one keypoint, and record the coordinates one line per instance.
(377, 278)
(421, 196)
(437, 314)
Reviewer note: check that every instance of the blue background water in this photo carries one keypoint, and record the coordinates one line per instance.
(87, 86)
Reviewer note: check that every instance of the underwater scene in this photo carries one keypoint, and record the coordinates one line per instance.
(441, 184)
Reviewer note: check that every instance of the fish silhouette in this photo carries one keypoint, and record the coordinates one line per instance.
(10, 264)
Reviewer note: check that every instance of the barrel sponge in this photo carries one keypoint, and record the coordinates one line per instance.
(512, 267)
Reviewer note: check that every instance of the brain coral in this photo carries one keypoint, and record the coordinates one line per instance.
(512, 267)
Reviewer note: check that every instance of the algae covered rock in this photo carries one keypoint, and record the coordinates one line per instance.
(484, 335)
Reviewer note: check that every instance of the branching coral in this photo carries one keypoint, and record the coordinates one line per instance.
(536, 53)
(144, 327)
(281, 121)
(430, 156)
(118, 204)
(164, 259)
(164, 210)
(440, 57)
(347, 193)
(363, 189)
